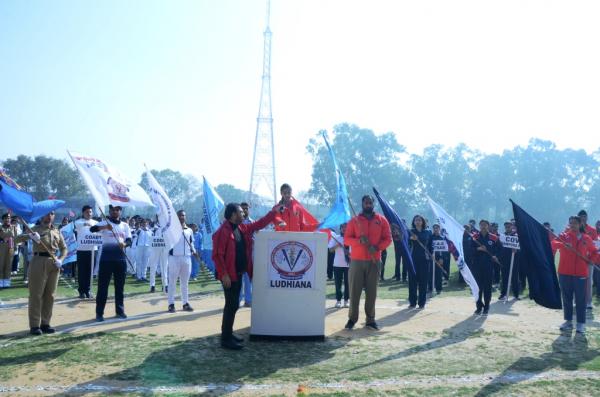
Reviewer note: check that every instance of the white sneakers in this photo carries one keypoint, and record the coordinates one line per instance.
(339, 304)
(346, 303)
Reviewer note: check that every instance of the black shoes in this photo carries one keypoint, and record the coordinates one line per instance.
(35, 331)
(153, 289)
(187, 308)
(171, 308)
(373, 325)
(349, 325)
(478, 311)
(231, 344)
(89, 295)
(81, 295)
(46, 329)
(485, 312)
(121, 315)
(99, 318)
(237, 338)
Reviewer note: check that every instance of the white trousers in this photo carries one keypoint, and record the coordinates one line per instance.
(158, 259)
(142, 255)
(180, 268)
(131, 254)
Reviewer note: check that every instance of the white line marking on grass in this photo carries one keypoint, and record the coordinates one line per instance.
(476, 380)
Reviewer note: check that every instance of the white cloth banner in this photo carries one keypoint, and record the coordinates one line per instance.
(170, 227)
(292, 264)
(455, 234)
(107, 185)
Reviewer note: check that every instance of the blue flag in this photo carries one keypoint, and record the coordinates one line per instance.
(400, 233)
(213, 204)
(22, 203)
(68, 233)
(340, 212)
(536, 256)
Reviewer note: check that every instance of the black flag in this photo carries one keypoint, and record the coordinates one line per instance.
(536, 256)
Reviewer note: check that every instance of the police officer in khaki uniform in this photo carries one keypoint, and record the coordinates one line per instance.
(44, 270)
(8, 233)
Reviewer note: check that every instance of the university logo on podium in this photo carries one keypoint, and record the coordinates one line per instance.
(292, 264)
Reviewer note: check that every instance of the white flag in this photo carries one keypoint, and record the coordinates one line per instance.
(455, 234)
(107, 185)
(167, 218)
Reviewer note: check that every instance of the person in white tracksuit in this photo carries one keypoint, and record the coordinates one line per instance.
(142, 248)
(180, 265)
(158, 258)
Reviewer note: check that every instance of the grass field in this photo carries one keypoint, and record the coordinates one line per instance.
(441, 351)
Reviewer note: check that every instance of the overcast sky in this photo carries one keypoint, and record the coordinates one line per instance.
(176, 84)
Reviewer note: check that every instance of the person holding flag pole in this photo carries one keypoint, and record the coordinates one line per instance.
(116, 235)
(419, 239)
(44, 271)
(455, 232)
(180, 264)
(509, 260)
(577, 252)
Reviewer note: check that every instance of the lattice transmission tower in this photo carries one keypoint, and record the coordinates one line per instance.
(262, 179)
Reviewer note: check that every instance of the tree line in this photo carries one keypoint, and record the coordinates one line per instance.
(548, 182)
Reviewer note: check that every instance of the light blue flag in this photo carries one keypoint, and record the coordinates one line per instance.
(340, 211)
(68, 233)
(213, 204)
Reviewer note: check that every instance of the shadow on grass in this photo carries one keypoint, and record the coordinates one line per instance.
(33, 358)
(455, 334)
(202, 361)
(567, 354)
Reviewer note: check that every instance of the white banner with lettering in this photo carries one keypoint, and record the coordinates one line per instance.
(509, 241)
(292, 264)
(440, 245)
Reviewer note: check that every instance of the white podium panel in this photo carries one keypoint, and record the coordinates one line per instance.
(288, 285)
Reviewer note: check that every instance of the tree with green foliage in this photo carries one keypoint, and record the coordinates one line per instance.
(366, 160)
(44, 176)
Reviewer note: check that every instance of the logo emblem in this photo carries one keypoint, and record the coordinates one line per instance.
(292, 259)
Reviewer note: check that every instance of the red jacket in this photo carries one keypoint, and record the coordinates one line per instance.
(296, 217)
(377, 229)
(570, 263)
(224, 245)
(591, 231)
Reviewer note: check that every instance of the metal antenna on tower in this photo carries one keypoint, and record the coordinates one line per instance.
(262, 178)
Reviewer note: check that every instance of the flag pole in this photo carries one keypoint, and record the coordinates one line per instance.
(570, 248)
(510, 272)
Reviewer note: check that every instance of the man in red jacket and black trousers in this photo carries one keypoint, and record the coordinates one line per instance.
(232, 254)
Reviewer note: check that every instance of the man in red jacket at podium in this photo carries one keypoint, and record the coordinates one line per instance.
(232, 254)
